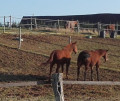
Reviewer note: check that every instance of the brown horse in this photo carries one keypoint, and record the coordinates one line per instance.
(111, 27)
(90, 59)
(71, 24)
(61, 57)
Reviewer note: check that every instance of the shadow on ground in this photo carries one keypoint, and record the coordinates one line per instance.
(13, 78)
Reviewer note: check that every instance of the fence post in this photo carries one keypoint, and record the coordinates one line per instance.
(57, 84)
(31, 24)
(69, 39)
(35, 23)
(4, 25)
(4, 20)
(78, 26)
(19, 38)
(117, 29)
(10, 21)
(99, 28)
(4, 29)
(58, 24)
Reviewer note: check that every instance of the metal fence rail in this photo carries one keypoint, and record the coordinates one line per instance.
(27, 83)
(57, 82)
(92, 82)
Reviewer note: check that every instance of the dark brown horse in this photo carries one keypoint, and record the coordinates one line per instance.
(90, 59)
(61, 57)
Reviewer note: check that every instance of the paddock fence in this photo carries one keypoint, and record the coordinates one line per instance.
(58, 84)
(99, 29)
(37, 23)
(32, 23)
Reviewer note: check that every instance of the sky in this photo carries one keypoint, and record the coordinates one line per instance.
(20, 8)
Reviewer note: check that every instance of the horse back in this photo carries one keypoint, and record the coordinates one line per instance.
(60, 54)
(88, 57)
(94, 58)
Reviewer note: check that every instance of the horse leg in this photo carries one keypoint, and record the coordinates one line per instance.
(62, 68)
(51, 66)
(85, 72)
(97, 70)
(67, 68)
(57, 69)
(91, 73)
(78, 71)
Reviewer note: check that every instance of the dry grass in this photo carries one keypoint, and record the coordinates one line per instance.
(24, 65)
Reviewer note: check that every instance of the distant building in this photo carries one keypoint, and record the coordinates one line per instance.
(36, 21)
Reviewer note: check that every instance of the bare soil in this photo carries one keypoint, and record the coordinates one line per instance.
(24, 65)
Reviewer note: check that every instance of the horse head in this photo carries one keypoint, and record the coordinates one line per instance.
(105, 55)
(74, 47)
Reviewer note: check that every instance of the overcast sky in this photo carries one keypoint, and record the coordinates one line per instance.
(19, 8)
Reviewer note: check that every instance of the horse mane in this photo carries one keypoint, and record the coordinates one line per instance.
(69, 45)
(66, 47)
(101, 50)
(97, 51)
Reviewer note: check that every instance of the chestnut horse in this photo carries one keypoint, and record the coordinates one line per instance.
(61, 57)
(90, 59)
(71, 25)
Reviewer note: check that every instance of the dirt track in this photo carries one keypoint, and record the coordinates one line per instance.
(18, 65)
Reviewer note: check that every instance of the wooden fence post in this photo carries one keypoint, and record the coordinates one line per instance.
(4, 20)
(57, 84)
(31, 24)
(117, 26)
(78, 26)
(58, 24)
(4, 29)
(4, 25)
(69, 39)
(35, 23)
(116, 29)
(19, 38)
(99, 28)
(10, 21)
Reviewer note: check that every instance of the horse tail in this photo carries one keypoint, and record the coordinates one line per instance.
(50, 59)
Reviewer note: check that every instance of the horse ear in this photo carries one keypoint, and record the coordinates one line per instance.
(107, 50)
